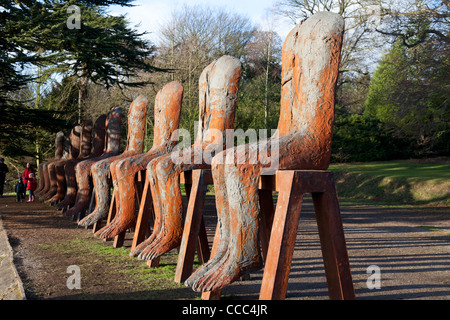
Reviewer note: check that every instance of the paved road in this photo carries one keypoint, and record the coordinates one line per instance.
(410, 248)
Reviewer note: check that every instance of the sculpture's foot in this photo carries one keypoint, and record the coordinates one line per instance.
(205, 268)
(226, 271)
(80, 206)
(114, 228)
(162, 243)
(55, 199)
(66, 202)
(48, 195)
(92, 218)
(144, 244)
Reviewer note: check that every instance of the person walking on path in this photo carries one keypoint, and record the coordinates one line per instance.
(3, 171)
(31, 186)
(26, 173)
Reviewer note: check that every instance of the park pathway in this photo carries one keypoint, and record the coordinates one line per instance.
(395, 252)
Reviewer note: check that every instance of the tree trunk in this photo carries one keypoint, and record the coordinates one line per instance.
(82, 93)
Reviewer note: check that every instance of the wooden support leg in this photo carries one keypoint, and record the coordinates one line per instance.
(97, 226)
(334, 251)
(213, 295)
(266, 219)
(203, 252)
(112, 212)
(143, 219)
(191, 227)
(282, 242)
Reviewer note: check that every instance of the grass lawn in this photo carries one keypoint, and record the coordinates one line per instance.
(418, 182)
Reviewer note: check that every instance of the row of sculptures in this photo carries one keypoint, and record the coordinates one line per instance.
(310, 60)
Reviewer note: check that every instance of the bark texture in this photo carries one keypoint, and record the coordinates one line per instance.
(218, 89)
(167, 111)
(310, 60)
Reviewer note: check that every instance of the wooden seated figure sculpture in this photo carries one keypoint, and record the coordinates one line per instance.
(83, 169)
(44, 180)
(310, 60)
(51, 171)
(63, 172)
(218, 89)
(135, 144)
(167, 112)
(55, 167)
(89, 150)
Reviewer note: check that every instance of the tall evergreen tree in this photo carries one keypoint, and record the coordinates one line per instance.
(104, 50)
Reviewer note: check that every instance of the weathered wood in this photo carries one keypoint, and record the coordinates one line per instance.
(192, 225)
(167, 113)
(89, 150)
(218, 87)
(143, 218)
(56, 168)
(310, 61)
(101, 170)
(284, 231)
(83, 169)
(334, 250)
(44, 180)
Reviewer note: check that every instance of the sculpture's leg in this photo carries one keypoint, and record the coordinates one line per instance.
(103, 184)
(44, 180)
(218, 172)
(168, 204)
(71, 185)
(100, 173)
(239, 252)
(123, 173)
(156, 200)
(169, 209)
(60, 183)
(237, 186)
(41, 178)
(53, 184)
(82, 171)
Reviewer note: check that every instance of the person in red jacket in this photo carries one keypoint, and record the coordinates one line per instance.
(31, 186)
(26, 173)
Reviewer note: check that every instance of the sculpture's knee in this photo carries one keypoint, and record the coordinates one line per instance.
(151, 169)
(218, 162)
(113, 167)
(123, 165)
(100, 168)
(162, 168)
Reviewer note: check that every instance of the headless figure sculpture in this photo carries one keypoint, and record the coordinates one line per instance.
(97, 149)
(83, 169)
(135, 144)
(218, 89)
(310, 61)
(51, 172)
(64, 174)
(44, 182)
(167, 118)
(57, 167)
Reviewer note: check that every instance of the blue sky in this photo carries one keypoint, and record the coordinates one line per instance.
(152, 13)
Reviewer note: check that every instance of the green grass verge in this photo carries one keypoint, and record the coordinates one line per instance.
(399, 182)
(126, 277)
